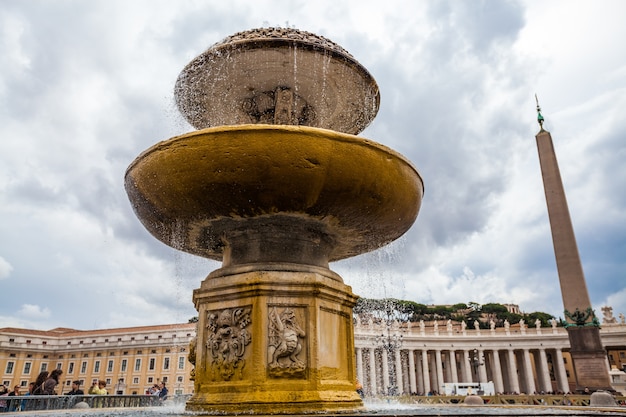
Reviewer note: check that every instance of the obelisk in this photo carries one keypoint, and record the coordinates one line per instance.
(583, 328)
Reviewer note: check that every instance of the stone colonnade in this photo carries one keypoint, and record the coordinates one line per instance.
(391, 360)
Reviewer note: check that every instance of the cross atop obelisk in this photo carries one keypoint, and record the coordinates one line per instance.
(588, 355)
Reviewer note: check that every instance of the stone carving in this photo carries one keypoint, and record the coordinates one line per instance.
(285, 336)
(449, 326)
(492, 325)
(581, 318)
(227, 340)
(553, 322)
(281, 106)
(537, 323)
(622, 319)
(608, 315)
(476, 325)
(192, 357)
(507, 325)
(463, 325)
(422, 326)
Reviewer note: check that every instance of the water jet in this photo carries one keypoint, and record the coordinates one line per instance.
(275, 184)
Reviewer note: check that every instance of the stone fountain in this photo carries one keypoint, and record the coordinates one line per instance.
(275, 185)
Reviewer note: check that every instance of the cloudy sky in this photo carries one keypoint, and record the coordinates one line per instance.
(85, 86)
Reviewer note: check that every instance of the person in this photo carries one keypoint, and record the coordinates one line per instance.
(359, 389)
(14, 405)
(100, 389)
(162, 392)
(25, 404)
(4, 392)
(76, 389)
(51, 382)
(41, 378)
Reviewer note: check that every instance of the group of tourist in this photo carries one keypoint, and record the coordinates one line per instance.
(159, 390)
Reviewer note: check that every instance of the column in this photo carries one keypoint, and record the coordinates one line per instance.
(453, 372)
(439, 368)
(513, 378)
(528, 372)
(359, 365)
(482, 369)
(373, 384)
(467, 374)
(544, 372)
(561, 374)
(412, 380)
(397, 353)
(385, 358)
(425, 371)
(497, 372)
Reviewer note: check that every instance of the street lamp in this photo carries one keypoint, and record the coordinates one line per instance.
(476, 361)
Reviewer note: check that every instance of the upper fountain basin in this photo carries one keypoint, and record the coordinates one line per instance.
(339, 194)
(277, 76)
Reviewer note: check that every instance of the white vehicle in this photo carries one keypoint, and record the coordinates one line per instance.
(468, 388)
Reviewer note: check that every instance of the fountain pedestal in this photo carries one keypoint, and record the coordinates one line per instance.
(277, 337)
(267, 188)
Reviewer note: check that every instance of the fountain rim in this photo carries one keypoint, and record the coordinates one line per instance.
(331, 134)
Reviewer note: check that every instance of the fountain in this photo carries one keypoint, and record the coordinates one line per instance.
(275, 185)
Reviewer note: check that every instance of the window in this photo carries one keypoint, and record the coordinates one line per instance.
(166, 363)
(96, 367)
(70, 368)
(27, 366)
(153, 351)
(83, 367)
(11, 355)
(98, 354)
(110, 366)
(9, 369)
(181, 362)
(44, 367)
(137, 364)
(164, 379)
(180, 379)
(108, 381)
(23, 383)
(151, 365)
(11, 340)
(45, 356)
(59, 364)
(150, 380)
(135, 380)
(124, 364)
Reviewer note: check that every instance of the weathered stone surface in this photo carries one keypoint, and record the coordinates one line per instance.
(473, 400)
(602, 399)
(243, 194)
(277, 76)
(81, 405)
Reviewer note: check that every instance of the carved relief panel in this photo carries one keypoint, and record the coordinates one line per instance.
(287, 353)
(227, 338)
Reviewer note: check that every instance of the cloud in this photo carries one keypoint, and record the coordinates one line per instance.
(34, 312)
(86, 87)
(5, 268)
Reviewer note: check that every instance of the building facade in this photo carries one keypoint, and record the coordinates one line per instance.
(396, 358)
(403, 358)
(130, 360)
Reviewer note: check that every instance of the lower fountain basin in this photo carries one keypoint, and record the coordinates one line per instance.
(266, 193)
